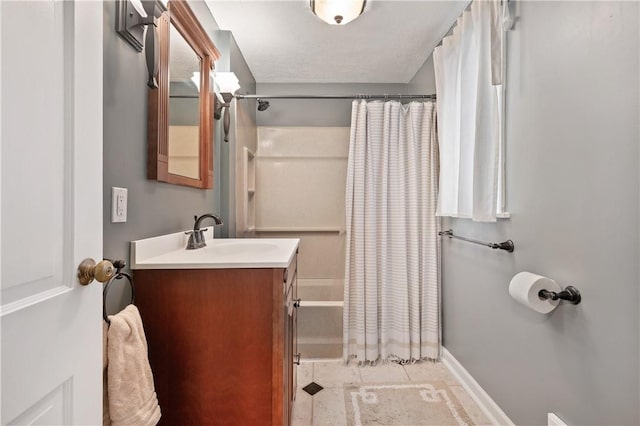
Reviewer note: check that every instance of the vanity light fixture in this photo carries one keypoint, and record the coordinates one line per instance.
(226, 86)
(338, 12)
(132, 17)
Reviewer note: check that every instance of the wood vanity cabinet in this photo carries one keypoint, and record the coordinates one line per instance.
(222, 343)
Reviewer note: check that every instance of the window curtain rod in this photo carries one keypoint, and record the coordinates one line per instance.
(508, 20)
(455, 22)
(359, 96)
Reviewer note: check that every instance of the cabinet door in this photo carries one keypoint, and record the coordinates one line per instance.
(290, 341)
(288, 375)
(294, 335)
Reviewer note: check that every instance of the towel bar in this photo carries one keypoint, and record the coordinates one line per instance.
(505, 245)
(118, 264)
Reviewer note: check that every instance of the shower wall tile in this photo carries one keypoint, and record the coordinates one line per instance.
(310, 142)
(321, 289)
(321, 254)
(301, 176)
(320, 350)
(317, 324)
(300, 192)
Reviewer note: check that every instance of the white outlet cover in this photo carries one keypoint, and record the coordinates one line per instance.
(118, 205)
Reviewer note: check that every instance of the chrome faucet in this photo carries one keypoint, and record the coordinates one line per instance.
(196, 237)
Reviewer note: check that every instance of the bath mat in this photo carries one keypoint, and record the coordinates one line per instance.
(403, 404)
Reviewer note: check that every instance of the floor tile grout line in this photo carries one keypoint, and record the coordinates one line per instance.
(405, 373)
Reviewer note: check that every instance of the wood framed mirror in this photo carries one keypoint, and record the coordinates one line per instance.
(180, 125)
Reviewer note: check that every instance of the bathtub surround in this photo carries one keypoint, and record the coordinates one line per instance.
(392, 280)
(572, 164)
(301, 174)
(301, 135)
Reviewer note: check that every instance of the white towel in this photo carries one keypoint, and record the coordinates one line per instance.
(131, 392)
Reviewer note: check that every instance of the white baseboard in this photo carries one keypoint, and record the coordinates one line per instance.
(482, 398)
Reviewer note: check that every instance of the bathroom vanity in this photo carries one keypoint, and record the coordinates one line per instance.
(220, 322)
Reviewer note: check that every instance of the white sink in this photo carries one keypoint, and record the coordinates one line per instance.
(238, 247)
(168, 252)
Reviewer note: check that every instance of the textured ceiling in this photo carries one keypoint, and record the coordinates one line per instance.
(284, 42)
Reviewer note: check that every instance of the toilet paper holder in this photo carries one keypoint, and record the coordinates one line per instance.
(570, 294)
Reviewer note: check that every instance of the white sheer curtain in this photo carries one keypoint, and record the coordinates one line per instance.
(392, 287)
(468, 70)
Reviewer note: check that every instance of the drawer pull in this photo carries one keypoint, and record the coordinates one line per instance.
(296, 359)
(296, 303)
(285, 275)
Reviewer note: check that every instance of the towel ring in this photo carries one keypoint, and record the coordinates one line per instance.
(119, 264)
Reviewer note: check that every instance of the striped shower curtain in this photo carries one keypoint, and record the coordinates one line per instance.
(392, 279)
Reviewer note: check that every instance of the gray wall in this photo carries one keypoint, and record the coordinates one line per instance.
(573, 191)
(154, 208)
(424, 82)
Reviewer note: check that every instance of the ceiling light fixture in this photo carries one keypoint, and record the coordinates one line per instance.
(338, 12)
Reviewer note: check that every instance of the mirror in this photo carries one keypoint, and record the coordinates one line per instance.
(184, 107)
(180, 110)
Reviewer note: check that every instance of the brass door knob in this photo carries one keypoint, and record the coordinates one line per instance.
(88, 270)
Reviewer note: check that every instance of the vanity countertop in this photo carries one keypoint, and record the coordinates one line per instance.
(168, 252)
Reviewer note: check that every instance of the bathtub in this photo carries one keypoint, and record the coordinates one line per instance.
(320, 318)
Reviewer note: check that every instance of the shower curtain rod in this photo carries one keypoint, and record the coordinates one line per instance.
(359, 96)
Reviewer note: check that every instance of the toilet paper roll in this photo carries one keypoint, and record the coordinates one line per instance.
(524, 288)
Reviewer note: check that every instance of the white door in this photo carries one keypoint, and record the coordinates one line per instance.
(51, 211)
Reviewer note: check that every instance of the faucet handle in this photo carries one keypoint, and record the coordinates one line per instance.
(191, 244)
(202, 238)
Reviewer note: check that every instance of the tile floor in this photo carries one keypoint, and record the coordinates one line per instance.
(327, 407)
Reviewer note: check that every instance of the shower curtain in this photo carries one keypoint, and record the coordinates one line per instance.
(392, 282)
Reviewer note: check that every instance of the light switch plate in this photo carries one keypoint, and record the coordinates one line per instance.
(118, 205)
